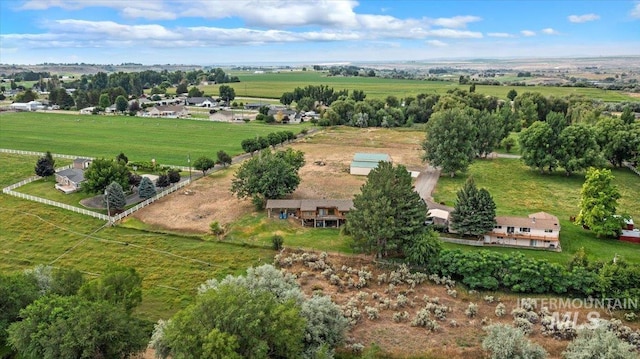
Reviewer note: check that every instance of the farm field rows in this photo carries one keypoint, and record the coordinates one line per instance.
(168, 141)
(272, 85)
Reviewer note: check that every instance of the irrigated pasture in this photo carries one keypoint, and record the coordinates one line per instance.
(168, 141)
(272, 85)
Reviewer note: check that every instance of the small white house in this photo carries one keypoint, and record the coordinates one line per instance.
(363, 163)
(87, 110)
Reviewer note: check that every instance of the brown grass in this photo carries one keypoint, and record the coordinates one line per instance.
(209, 199)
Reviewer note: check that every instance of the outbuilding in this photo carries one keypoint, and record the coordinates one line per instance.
(363, 163)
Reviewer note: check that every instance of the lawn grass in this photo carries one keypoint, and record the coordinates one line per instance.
(169, 141)
(272, 85)
(172, 266)
(257, 229)
(519, 191)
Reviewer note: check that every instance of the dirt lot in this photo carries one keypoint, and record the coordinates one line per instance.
(209, 199)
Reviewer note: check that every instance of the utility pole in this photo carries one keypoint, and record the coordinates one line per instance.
(189, 161)
(106, 198)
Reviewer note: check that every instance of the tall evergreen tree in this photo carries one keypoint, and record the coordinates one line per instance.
(45, 166)
(474, 212)
(388, 214)
(146, 189)
(115, 196)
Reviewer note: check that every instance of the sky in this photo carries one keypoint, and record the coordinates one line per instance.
(237, 32)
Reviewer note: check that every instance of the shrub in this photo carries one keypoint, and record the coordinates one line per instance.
(501, 310)
(630, 317)
(163, 181)
(506, 342)
(523, 324)
(372, 312)
(216, 228)
(423, 319)
(400, 316)
(174, 175)
(594, 343)
(471, 310)
(277, 242)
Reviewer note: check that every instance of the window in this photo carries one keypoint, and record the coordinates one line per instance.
(332, 211)
(498, 227)
(526, 230)
(548, 231)
(322, 211)
(500, 237)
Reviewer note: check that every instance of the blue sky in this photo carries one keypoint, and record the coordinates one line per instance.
(292, 31)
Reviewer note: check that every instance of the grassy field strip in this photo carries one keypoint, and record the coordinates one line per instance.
(168, 141)
(273, 85)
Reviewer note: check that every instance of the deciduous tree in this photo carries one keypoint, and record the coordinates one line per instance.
(224, 158)
(388, 214)
(227, 93)
(121, 286)
(488, 132)
(203, 164)
(535, 146)
(598, 202)
(102, 172)
(267, 176)
(72, 327)
(449, 142)
(578, 149)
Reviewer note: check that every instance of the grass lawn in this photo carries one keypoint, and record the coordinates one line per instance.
(257, 229)
(169, 141)
(272, 85)
(517, 190)
(172, 266)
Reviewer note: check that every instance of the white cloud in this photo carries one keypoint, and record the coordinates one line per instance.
(500, 34)
(528, 33)
(635, 12)
(578, 19)
(456, 22)
(550, 31)
(454, 34)
(436, 43)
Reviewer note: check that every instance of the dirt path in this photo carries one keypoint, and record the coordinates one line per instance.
(426, 182)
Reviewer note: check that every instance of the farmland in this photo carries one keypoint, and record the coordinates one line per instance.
(169, 141)
(272, 85)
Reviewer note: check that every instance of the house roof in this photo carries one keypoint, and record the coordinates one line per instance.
(169, 108)
(310, 204)
(529, 222)
(371, 157)
(543, 215)
(74, 175)
(81, 160)
(197, 100)
(438, 213)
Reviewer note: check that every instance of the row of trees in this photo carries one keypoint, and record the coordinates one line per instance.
(251, 145)
(546, 145)
(54, 313)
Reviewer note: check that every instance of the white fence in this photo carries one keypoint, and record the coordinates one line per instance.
(49, 202)
(147, 202)
(630, 166)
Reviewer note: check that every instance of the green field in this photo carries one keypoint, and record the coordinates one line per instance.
(272, 85)
(168, 141)
(172, 266)
(517, 190)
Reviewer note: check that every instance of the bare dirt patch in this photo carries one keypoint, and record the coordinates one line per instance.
(209, 199)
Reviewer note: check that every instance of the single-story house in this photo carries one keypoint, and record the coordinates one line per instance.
(253, 106)
(283, 115)
(323, 213)
(629, 233)
(363, 163)
(200, 101)
(29, 106)
(70, 180)
(87, 110)
(538, 230)
(168, 111)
